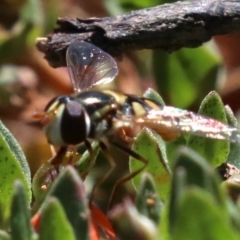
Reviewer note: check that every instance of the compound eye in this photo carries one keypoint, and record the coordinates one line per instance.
(75, 123)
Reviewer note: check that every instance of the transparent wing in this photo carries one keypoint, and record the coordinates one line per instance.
(170, 122)
(88, 65)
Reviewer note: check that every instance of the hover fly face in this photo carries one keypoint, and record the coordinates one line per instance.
(66, 121)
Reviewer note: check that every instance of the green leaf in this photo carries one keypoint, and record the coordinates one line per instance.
(54, 223)
(20, 214)
(163, 227)
(199, 218)
(147, 201)
(199, 173)
(151, 147)
(178, 188)
(197, 201)
(188, 72)
(13, 165)
(190, 171)
(213, 150)
(68, 188)
(153, 95)
(172, 146)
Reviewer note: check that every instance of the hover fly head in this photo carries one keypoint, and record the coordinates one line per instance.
(65, 122)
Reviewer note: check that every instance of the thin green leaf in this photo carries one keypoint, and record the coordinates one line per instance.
(213, 150)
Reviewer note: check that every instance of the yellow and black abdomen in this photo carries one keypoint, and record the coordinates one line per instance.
(131, 105)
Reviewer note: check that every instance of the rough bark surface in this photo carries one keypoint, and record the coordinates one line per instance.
(168, 27)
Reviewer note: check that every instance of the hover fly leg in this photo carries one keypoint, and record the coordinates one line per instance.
(91, 159)
(58, 158)
(112, 164)
(125, 137)
(129, 176)
(53, 150)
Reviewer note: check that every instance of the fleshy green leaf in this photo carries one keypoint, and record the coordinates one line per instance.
(213, 150)
(197, 201)
(150, 146)
(199, 173)
(20, 214)
(199, 218)
(191, 170)
(68, 188)
(54, 223)
(13, 165)
(148, 202)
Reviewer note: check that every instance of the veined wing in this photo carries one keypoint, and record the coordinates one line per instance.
(170, 122)
(88, 65)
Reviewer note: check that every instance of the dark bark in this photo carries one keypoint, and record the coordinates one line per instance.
(168, 27)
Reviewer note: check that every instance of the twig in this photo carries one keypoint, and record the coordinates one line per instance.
(167, 27)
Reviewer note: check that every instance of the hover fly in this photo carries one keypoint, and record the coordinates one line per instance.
(111, 116)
